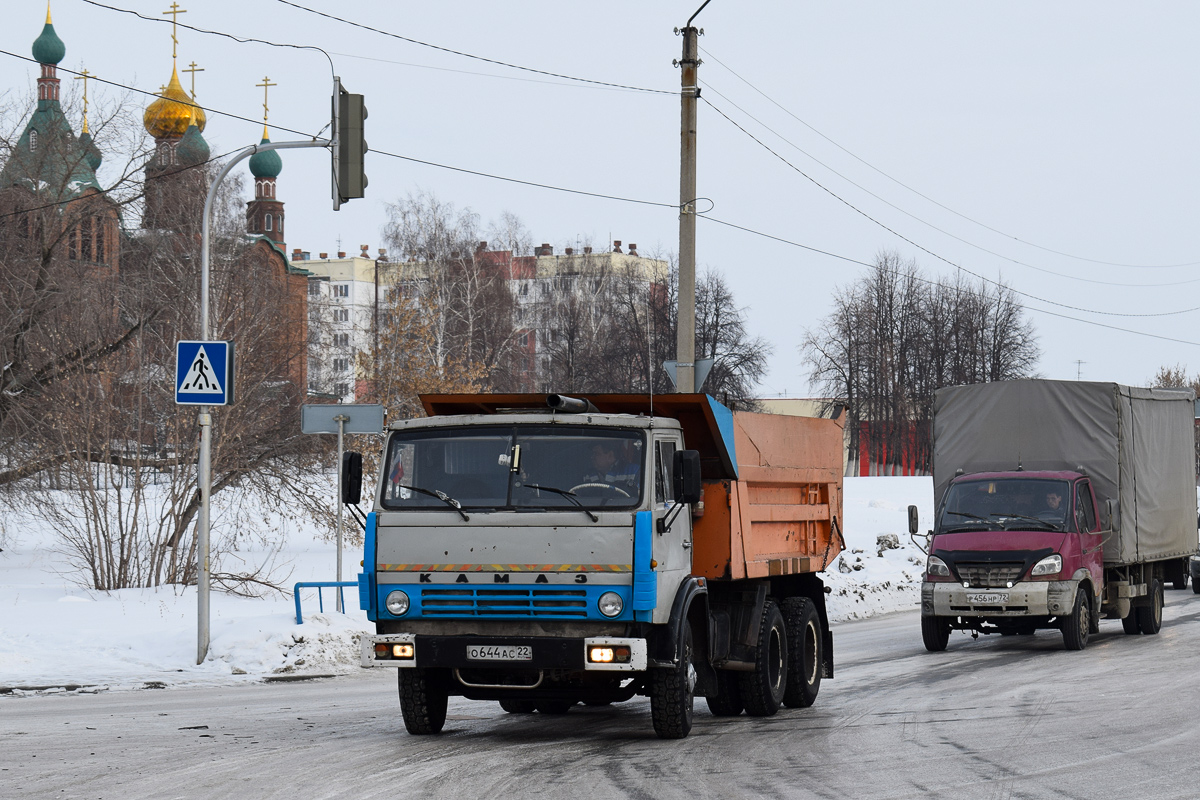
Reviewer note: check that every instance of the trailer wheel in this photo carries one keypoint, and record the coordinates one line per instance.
(423, 699)
(1076, 627)
(518, 706)
(727, 702)
(764, 688)
(1181, 580)
(1149, 616)
(935, 633)
(673, 694)
(804, 652)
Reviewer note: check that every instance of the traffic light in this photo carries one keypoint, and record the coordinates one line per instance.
(349, 178)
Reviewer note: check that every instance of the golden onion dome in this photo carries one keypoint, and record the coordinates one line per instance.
(170, 115)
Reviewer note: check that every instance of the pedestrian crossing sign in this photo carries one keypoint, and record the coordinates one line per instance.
(203, 373)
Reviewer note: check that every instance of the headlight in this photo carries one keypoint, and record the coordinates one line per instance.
(1050, 565)
(610, 604)
(397, 604)
(935, 566)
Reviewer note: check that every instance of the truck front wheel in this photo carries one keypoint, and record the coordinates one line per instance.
(764, 688)
(423, 700)
(1076, 627)
(673, 694)
(1149, 616)
(804, 652)
(935, 633)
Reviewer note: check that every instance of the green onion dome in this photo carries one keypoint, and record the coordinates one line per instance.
(91, 153)
(48, 48)
(266, 163)
(192, 149)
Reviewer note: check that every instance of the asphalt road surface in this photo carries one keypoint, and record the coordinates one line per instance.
(1013, 717)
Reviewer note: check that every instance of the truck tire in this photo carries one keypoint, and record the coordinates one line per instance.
(554, 707)
(1195, 587)
(935, 633)
(764, 688)
(1181, 580)
(804, 652)
(518, 706)
(423, 700)
(673, 694)
(1075, 628)
(728, 700)
(1129, 623)
(1149, 616)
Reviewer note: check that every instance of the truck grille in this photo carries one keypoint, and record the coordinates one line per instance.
(990, 575)
(470, 602)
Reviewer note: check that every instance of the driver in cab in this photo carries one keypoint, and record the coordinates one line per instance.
(607, 467)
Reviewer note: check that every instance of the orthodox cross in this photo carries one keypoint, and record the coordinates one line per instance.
(174, 12)
(83, 76)
(192, 68)
(266, 84)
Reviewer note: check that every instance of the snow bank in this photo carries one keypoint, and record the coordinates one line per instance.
(53, 633)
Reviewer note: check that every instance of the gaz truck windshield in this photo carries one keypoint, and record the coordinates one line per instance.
(522, 467)
(1007, 504)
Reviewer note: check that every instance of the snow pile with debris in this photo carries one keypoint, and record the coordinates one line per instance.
(55, 633)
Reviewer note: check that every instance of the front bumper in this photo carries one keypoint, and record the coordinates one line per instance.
(568, 653)
(1024, 599)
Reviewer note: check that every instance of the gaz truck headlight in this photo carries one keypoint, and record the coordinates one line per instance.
(610, 604)
(1050, 565)
(935, 566)
(397, 603)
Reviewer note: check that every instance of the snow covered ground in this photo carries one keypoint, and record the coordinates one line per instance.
(57, 636)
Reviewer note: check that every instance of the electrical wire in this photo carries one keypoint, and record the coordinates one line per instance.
(238, 39)
(942, 231)
(469, 55)
(930, 199)
(929, 282)
(926, 250)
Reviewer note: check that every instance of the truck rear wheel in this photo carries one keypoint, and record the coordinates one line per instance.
(1149, 616)
(554, 707)
(764, 688)
(673, 694)
(1129, 623)
(727, 702)
(518, 706)
(1076, 627)
(423, 700)
(935, 633)
(804, 652)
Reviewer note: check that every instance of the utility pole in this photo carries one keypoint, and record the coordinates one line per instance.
(685, 334)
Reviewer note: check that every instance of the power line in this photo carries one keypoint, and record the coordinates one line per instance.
(942, 231)
(470, 55)
(924, 249)
(238, 39)
(930, 199)
(929, 282)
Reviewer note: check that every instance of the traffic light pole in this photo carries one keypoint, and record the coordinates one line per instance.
(204, 470)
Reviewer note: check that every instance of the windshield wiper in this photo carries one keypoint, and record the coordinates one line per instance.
(967, 514)
(567, 494)
(445, 498)
(1042, 522)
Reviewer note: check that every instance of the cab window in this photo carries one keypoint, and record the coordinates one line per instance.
(1085, 511)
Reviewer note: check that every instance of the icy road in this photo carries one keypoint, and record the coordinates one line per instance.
(995, 718)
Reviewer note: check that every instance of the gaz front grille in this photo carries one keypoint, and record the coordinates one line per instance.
(990, 576)
(470, 602)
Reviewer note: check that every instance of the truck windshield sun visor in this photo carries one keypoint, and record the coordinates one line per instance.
(519, 467)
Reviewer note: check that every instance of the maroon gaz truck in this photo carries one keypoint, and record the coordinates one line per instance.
(1058, 504)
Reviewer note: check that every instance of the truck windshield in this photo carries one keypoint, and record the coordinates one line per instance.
(1007, 504)
(521, 467)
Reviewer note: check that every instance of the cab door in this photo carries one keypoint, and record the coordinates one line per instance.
(672, 547)
(1087, 522)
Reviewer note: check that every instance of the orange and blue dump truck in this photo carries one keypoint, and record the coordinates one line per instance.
(543, 551)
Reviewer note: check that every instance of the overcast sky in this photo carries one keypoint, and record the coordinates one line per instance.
(1053, 146)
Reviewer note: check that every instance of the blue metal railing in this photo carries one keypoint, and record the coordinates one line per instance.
(319, 585)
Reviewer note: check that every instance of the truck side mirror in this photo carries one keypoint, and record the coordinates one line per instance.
(688, 488)
(351, 478)
(913, 521)
(1113, 509)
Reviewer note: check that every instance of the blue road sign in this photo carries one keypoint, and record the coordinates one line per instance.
(203, 373)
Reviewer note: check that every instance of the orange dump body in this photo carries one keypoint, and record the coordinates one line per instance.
(782, 515)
